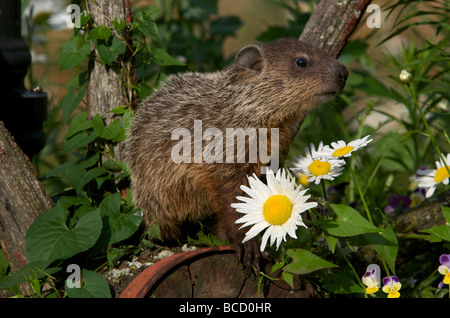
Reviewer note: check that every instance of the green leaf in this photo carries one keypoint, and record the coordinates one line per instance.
(49, 239)
(81, 178)
(117, 47)
(288, 278)
(442, 232)
(144, 90)
(98, 125)
(124, 225)
(100, 33)
(305, 262)
(126, 120)
(71, 102)
(77, 141)
(77, 124)
(105, 53)
(119, 110)
(332, 242)
(146, 25)
(118, 25)
(162, 58)
(34, 270)
(118, 226)
(277, 266)
(78, 80)
(109, 53)
(112, 130)
(87, 162)
(446, 212)
(339, 283)
(93, 286)
(349, 222)
(114, 165)
(113, 255)
(71, 56)
(69, 201)
(60, 170)
(386, 244)
(3, 265)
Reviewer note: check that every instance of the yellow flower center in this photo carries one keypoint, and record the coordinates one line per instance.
(441, 174)
(319, 168)
(303, 179)
(342, 151)
(277, 209)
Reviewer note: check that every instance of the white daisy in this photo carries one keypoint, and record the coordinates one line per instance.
(430, 178)
(318, 167)
(341, 149)
(275, 208)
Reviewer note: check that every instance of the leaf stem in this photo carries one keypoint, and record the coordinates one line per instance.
(361, 194)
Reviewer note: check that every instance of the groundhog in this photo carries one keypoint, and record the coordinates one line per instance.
(178, 146)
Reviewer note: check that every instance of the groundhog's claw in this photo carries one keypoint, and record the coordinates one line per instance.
(249, 254)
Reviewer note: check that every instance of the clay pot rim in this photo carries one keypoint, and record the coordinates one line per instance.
(142, 284)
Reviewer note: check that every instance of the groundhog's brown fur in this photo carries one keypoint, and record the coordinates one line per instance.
(263, 88)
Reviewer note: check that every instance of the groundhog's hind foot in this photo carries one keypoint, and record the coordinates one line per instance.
(250, 254)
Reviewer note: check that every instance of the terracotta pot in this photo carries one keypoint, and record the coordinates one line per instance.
(143, 283)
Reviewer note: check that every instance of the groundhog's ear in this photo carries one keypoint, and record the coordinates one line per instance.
(250, 57)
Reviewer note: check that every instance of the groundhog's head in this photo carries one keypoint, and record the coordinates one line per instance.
(291, 76)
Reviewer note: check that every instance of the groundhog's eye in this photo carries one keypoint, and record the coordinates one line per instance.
(301, 62)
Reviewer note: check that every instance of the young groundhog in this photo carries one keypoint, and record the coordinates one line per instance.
(184, 164)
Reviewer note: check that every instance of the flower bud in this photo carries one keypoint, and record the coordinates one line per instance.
(405, 77)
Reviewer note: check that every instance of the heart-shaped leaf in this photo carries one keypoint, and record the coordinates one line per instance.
(305, 262)
(349, 222)
(93, 285)
(49, 238)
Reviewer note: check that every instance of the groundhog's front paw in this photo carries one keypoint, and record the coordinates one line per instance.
(250, 254)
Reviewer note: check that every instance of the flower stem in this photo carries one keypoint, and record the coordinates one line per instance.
(358, 279)
(325, 197)
(422, 115)
(386, 268)
(361, 194)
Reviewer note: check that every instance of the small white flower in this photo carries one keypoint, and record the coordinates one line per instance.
(430, 178)
(275, 208)
(405, 77)
(342, 149)
(317, 166)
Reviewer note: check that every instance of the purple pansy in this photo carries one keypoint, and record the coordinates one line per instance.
(444, 269)
(391, 286)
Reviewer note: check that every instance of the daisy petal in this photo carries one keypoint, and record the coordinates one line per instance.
(276, 226)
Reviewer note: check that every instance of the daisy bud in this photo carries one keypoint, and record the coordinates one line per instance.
(405, 77)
